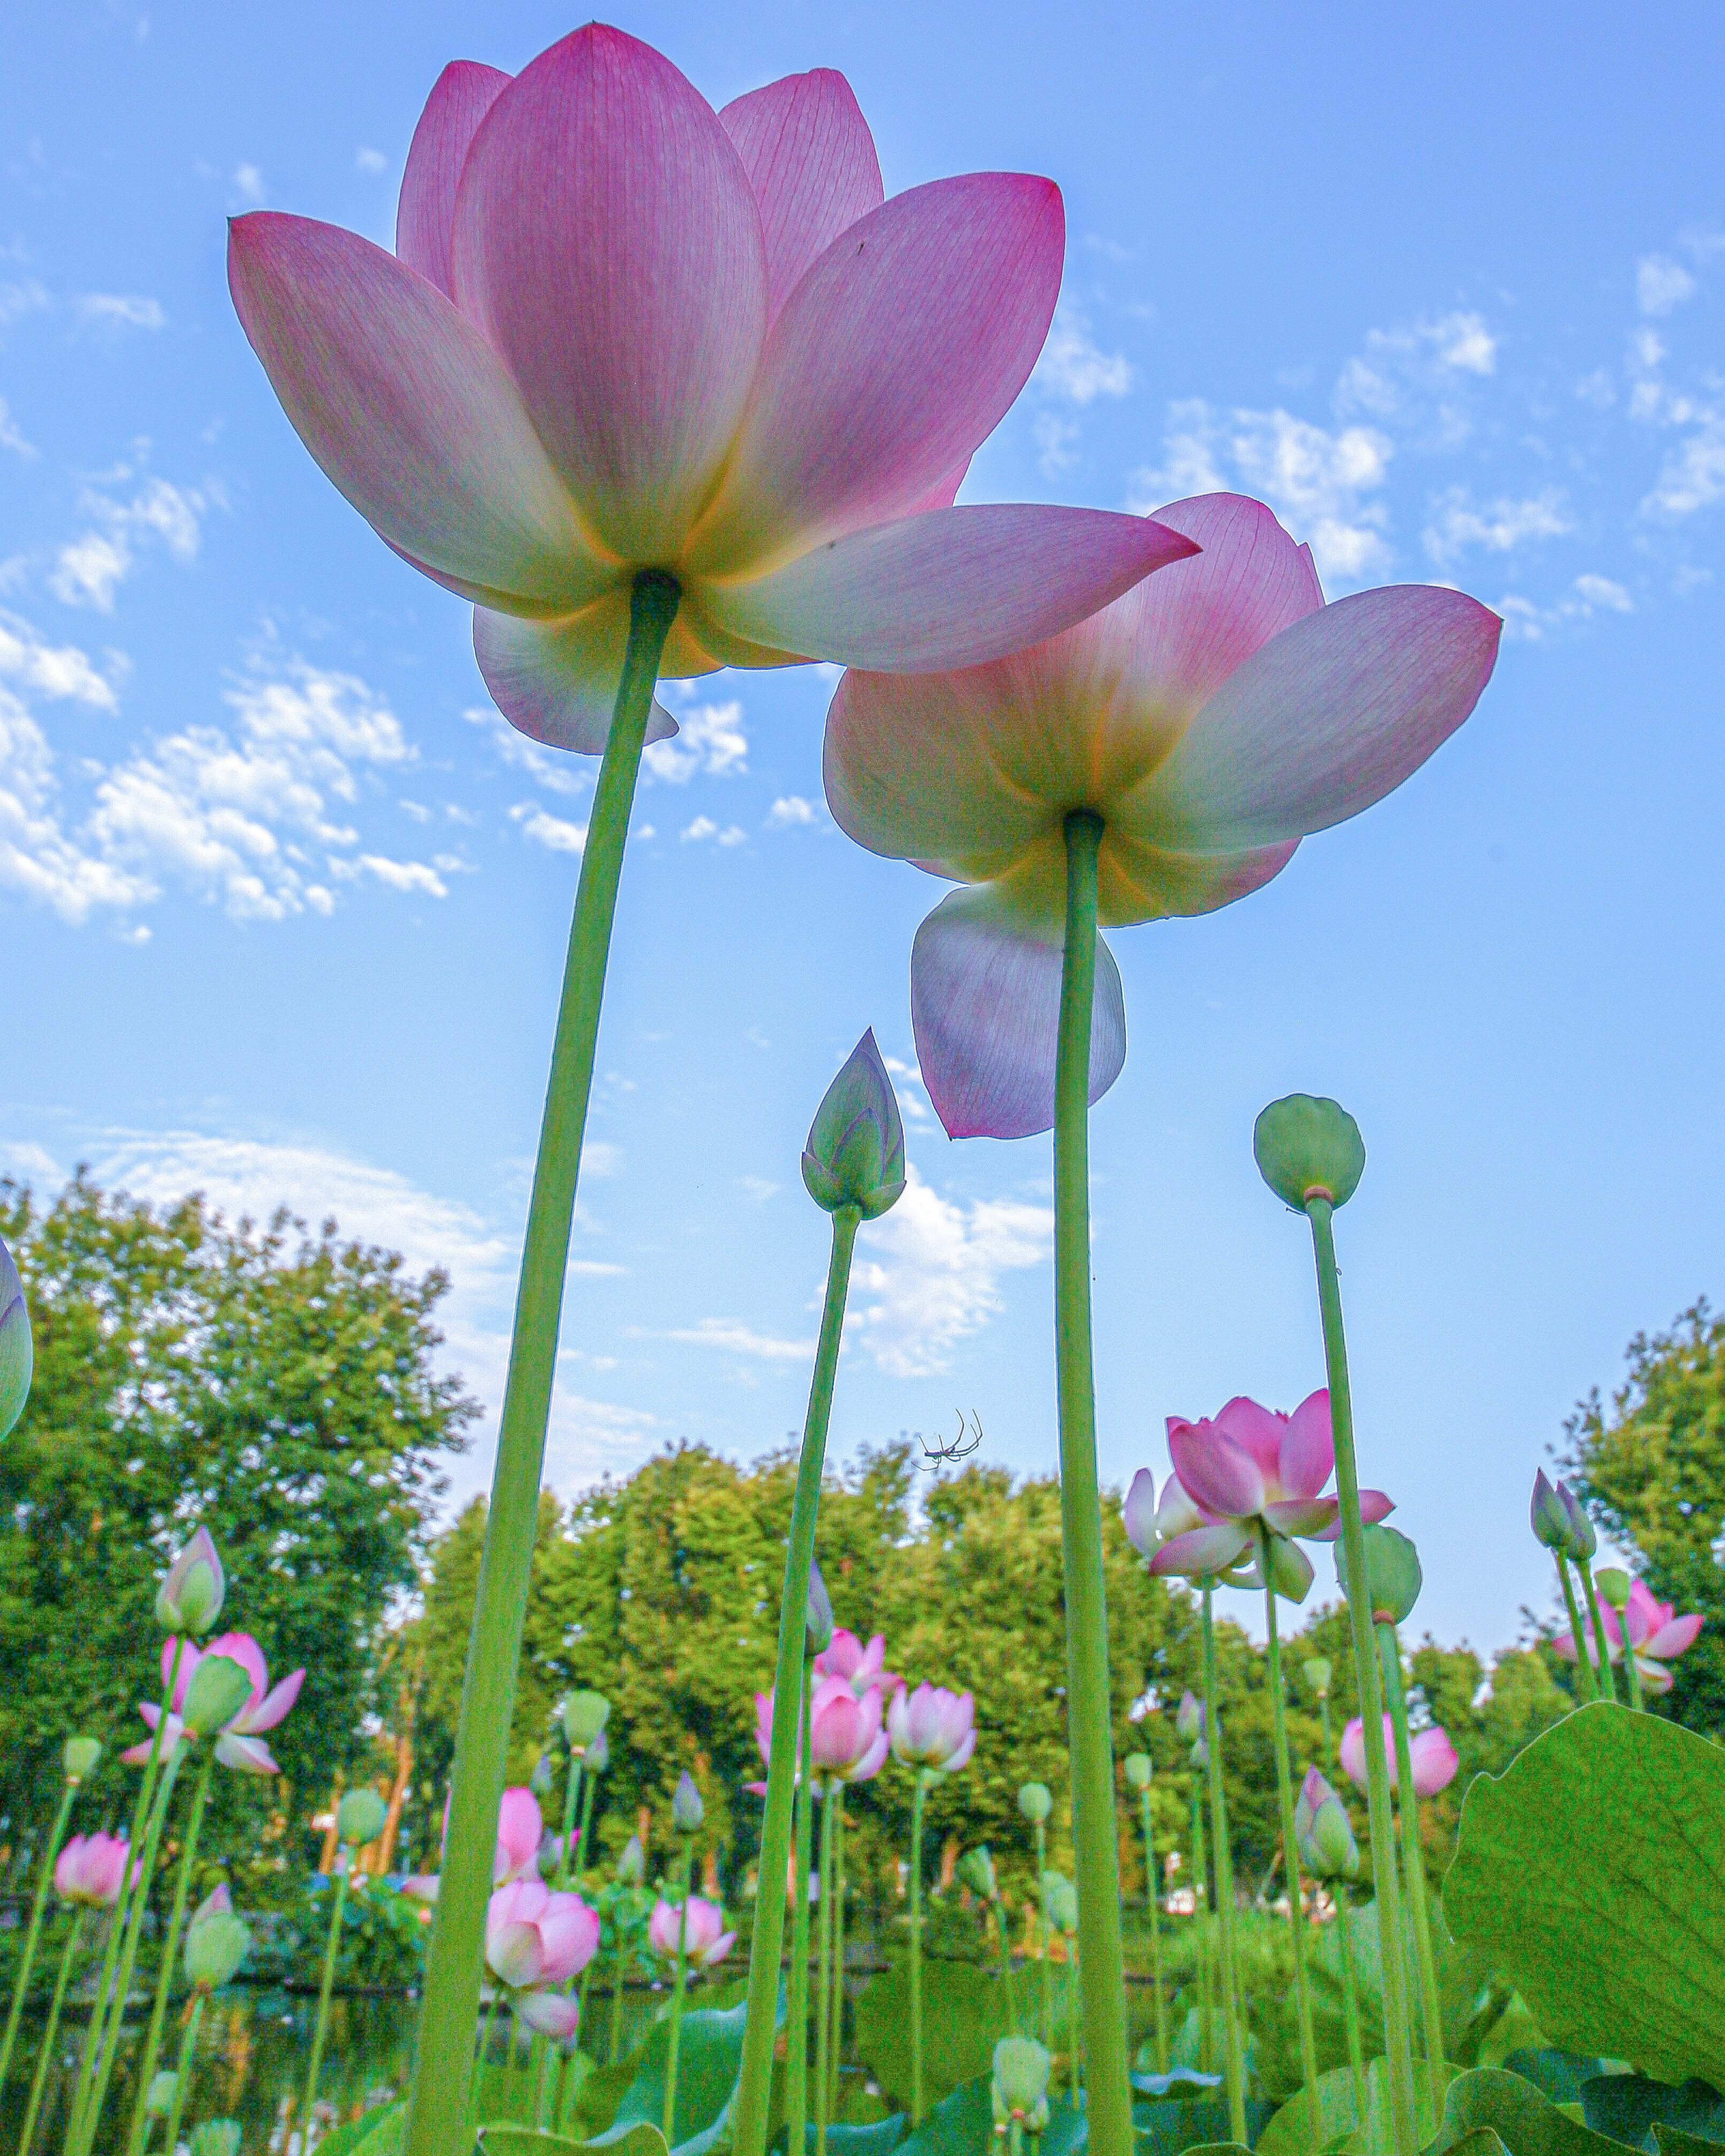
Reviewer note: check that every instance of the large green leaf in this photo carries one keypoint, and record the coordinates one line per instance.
(1289, 2134)
(1557, 2074)
(962, 2123)
(1490, 2100)
(709, 2061)
(963, 2017)
(1592, 1873)
(881, 2137)
(524, 2141)
(379, 2132)
(1628, 2107)
(1169, 2127)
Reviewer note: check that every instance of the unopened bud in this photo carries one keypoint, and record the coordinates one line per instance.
(360, 1817)
(159, 2097)
(539, 1779)
(1582, 1541)
(585, 1714)
(1062, 1901)
(1548, 1516)
(632, 1864)
(1200, 1755)
(1188, 1717)
(1393, 1575)
(216, 2137)
(214, 1949)
(1613, 1585)
(1323, 1831)
(819, 1616)
(1309, 1148)
(687, 1810)
(1019, 2088)
(1316, 1671)
(16, 1355)
(1137, 1770)
(975, 1869)
(218, 1689)
(1035, 1802)
(80, 1756)
(597, 1757)
(190, 1598)
(855, 1154)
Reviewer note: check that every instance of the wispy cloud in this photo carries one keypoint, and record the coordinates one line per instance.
(736, 1338)
(1459, 523)
(1586, 597)
(90, 568)
(556, 832)
(709, 739)
(705, 831)
(1074, 367)
(11, 436)
(129, 311)
(792, 812)
(1662, 284)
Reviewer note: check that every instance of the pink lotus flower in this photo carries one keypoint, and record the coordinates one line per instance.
(535, 1937)
(1151, 1523)
(520, 1828)
(623, 332)
(1252, 1468)
(704, 1938)
(1657, 1636)
(846, 1742)
(240, 1744)
(553, 2014)
(931, 1729)
(860, 1666)
(1211, 718)
(91, 1868)
(1430, 1753)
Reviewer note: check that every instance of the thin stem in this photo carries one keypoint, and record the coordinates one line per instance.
(44, 2057)
(183, 2076)
(620, 1960)
(796, 2067)
(1225, 1877)
(1072, 2023)
(1005, 1938)
(1203, 1908)
(1586, 1685)
(836, 2045)
(1323, 1708)
(56, 1835)
(1628, 1664)
(755, 2082)
(1397, 2041)
(475, 2084)
(443, 2062)
(1152, 1903)
(915, 1953)
(1090, 1742)
(676, 2007)
(571, 1799)
(822, 2023)
(1289, 1848)
(1602, 1645)
(1414, 1865)
(1046, 1935)
(139, 2126)
(1350, 2006)
(330, 1947)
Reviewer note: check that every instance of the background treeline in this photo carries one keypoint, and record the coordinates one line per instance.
(283, 1389)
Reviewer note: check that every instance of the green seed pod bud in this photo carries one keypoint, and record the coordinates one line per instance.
(1316, 1671)
(1548, 1515)
(80, 1756)
(218, 1689)
(1307, 1148)
(1613, 1585)
(1582, 1541)
(1393, 1575)
(855, 1154)
(1020, 2089)
(1137, 1770)
(1323, 1831)
(597, 1757)
(539, 1780)
(1062, 1903)
(216, 2137)
(214, 1949)
(585, 1714)
(360, 1817)
(1188, 1717)
(190, 1598)
(17, 1356)
(632, 1864)
(819, 1614)
(1035, 1802)
(687, 1810)
(160, 2100)
(975, 1869)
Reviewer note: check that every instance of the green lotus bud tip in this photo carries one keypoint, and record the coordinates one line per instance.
(855, 1154)
(1309, 1148)
(1323, 1831)
(214, 1949)
(687, 1810)
(17, 1354)
(1316, 1671)
(539, 1780)
(1019, 2088)
(160, 2100)
(216, 2137)
(597, 1756)
(585, 1714)
(190, 1597)
(1062, 1903)
(360, 1817)
(1137, 1770)
(975, 1869)
(218, 1689)
(80, 1756)
(632, 1864)
(1392, 1574)
(819, 1614)
(1613, 1585)
(1035, 1802)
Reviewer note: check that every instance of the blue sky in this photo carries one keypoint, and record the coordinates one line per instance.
(284, 901)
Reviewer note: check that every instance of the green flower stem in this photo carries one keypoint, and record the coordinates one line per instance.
(44, 2056)
(1350, 2008)
(1414, 1865)
(1323, 1708)
(1152, 1903)
(589, 1790)
(331, 1945)
(1072, 2021)
(1005, 1937)
(442, 2063)
(1290, 1850)
(619, 1970)
(1090, 1741)
(679, 1986)
(836, 2044)
(1320, 1212)
(796, 2064)
(1223, 1896)
(1044, 1935)
(1202, 1909)
(120, 1923)
(1602, 1645)
(140, 2127)
(755, 2082)
(822, 1994)
(571, 1799)
(1628, 1664)
(916, 1952)
(1586, 1686)
(56, 1835)
(183, 2076)
(470, 2103)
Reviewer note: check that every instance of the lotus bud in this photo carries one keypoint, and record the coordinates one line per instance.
(218, 1689)
(632, 1864)
(1323, 1831)
(1582, 1541)
(17, 1356)
(597, 1756)
(1062, 1903)
(539, 1780)
(1309, 1148)
(214, 1949)
(1548, 1516)
(585, 1714)
(80, 1756)
(1035, 1802)
(1200, 1756)
(190, 1598)
(819, 1616)
(855, 1154)
(976, 1868)
(1393, 1575)
(1613, 1585)
(1188, 1717)
(1316, 1671)
(217, 1902)
(1137, 1770)
(360, 1817)
(216, 2137)
(160, 2099)
(1020, 2089)
(687, 1810)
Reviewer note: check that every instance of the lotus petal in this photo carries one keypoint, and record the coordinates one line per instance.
(425, 213)
(1202, 1552)
(557, 681)
(811, 161)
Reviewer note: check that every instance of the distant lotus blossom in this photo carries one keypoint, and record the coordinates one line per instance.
(240, 1744)
(931, 1729)
(860, 1666)
(704, 1938)
(1151, 1524)
(846, 1741)
(1429, 1752)
(520, 1834)
(1657, 1636)
(553, 2014)
(90, 1867)
(535, 1937)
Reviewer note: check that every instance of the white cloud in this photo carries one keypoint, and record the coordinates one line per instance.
(1662, 284)
(1055, 439)
(1189, 464)
(370, 161)
(1693, 473)
(398, 875)
(20, 297)
(555, 769)
(791, 812)
(49, 669)
(930, 1275)
(736, 1338)
(11, 437)
(1072, 365)
(1428, 356)
(130, 311)
(704, 828)
(1601, 592)
(90, 567)
(1589, 595)
(249, 181)
(710, 738)
(554, 831)
(1458, 523)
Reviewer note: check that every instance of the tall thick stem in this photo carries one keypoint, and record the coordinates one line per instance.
(1045, 1935)
(571, 1799)
(823, 2013)
(835, 2045)
(325, 1983)
(1152, 1909)
(44, 2057)
(442, 2063)
(796, 2067)
(1006, 1978)
(1414, 1865)
(182, 2078)
(754, 2087)
(1320, 1212)
(678, 1987)
(1203, 1910)
(56, 1835)
(1350, 2006)
(916, 1951)
(1291, 1851)
(1089, 1715)
(1585, 1687)
(1233, 2063)
(1602, 1645)
(139, 2126)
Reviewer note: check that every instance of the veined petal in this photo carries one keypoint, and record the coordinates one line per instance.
(557, 680)
(1373, 1506)
(1308, 1447)
(1309, 1517)
(1138, 1512)
(1255, 1429)
(608, 241)
(1289, 1569)
(551, 2014)
(249, 1755)
(1432, 1757)
(273, 1705)
(951, 588)
(898, 351)
(1675, 1637)
(985, 1000)
(1203, 1551)
(811, 161)
(1654, 1675)
(1137, 880)
(460, 98)
(1324, 719)
(1220, 1475)
(407, 409)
